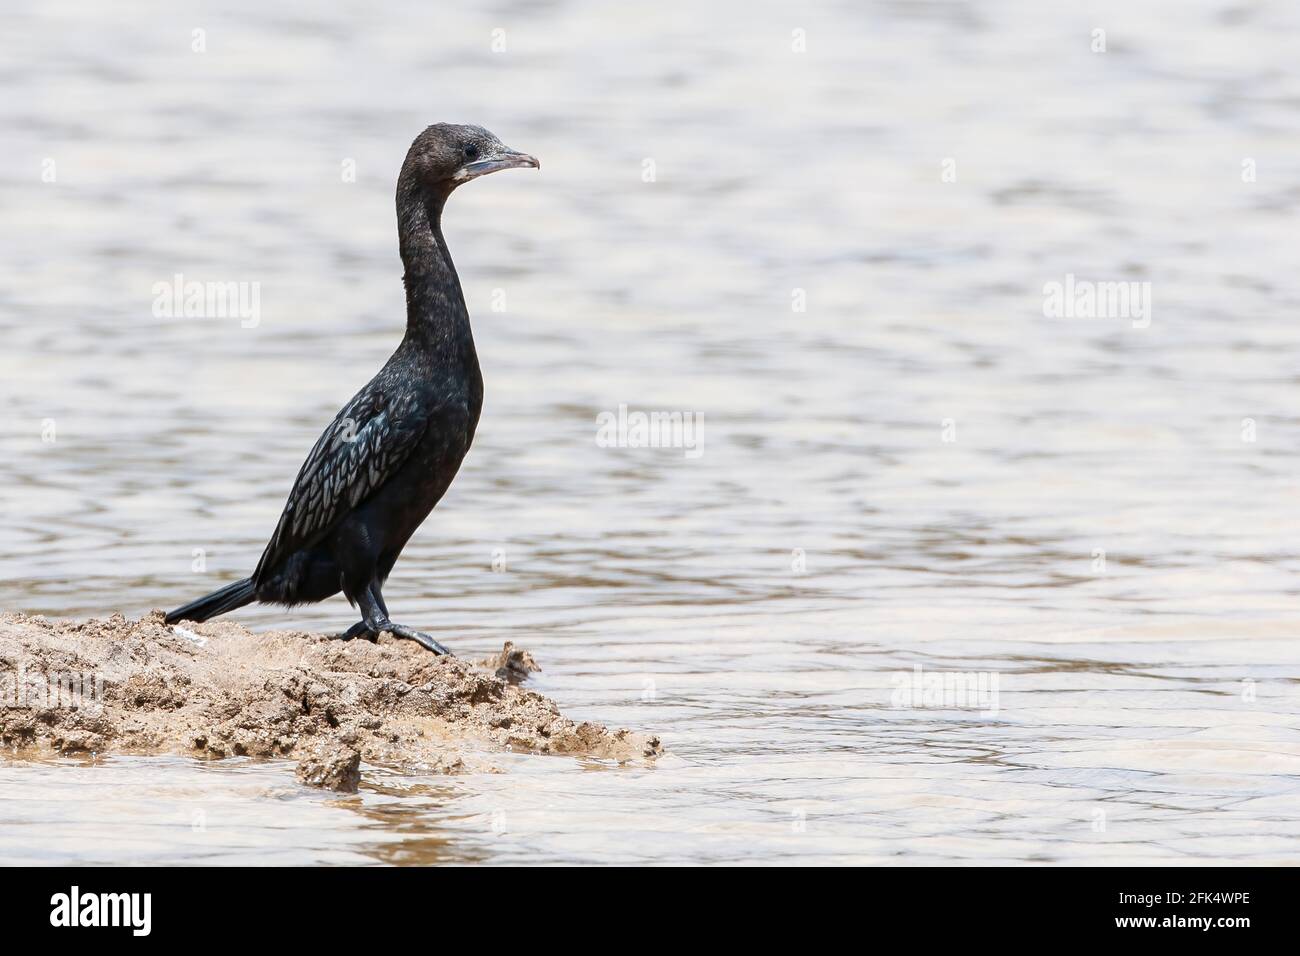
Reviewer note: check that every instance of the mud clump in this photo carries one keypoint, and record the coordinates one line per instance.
(512, 665)
(331, 766)
(219, 690)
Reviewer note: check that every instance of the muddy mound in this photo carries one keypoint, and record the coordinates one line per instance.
(218, 690)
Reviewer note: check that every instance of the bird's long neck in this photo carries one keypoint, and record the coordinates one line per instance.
(437, 320)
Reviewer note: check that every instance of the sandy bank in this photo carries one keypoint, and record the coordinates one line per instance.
(217, 690)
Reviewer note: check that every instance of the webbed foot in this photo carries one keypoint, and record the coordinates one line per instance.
(411, 634)
(359, 629)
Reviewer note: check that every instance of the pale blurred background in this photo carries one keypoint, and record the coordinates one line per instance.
(1148, 711)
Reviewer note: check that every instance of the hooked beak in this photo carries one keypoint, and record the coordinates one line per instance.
(506, 160)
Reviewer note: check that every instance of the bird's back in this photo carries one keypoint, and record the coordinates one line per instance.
(371, 440)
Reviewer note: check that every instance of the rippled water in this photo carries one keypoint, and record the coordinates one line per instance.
(1100, 535)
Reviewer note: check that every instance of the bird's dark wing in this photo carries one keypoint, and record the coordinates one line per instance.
(361, 449)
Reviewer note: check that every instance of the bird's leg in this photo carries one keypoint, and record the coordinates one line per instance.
(359, 629)
(379, 598)
(373, 613)
(375, 619)
(375, 601)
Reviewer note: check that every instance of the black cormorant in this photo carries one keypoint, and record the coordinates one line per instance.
(392, 451)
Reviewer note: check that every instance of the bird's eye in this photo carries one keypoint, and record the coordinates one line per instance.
(471, 151)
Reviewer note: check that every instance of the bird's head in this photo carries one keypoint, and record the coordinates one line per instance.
(445, 155)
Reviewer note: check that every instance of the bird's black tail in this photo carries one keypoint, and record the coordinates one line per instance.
(218, 602)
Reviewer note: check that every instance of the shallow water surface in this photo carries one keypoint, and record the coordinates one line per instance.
(920, 468)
